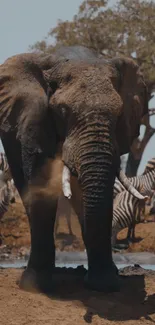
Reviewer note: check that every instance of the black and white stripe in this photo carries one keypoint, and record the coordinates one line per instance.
(152, 204)
(5, 197)
(127, 209)
(4, 167)
(6, 194)
(150, 165)
(145, 182)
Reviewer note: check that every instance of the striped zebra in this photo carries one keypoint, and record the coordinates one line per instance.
(151, 202)
(146, 180)
(127, 209)
(118, 187)
(4, 167)
(150, 165)
(6, 195)
(6, 190)
(152, 205)
(6, 187)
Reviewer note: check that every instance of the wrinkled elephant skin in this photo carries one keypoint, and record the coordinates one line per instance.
(89, 110)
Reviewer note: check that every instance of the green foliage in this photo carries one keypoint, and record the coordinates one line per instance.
(126, 29)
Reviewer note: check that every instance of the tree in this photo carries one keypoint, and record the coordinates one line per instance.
(128, 29)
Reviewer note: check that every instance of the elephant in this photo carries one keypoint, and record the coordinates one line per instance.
(88, 110)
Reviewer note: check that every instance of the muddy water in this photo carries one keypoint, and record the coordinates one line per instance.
(73, 259)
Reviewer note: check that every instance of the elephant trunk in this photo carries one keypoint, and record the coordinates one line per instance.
(97, 175)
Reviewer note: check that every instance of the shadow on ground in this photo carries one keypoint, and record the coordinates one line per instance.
(131, 303)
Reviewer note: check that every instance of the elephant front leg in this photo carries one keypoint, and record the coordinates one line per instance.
(102, 273)
(38, 274)
(41, 210)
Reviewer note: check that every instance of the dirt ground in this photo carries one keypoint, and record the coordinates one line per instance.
(14, 233)
(71, 304)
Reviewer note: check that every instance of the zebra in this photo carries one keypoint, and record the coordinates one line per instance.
(118, 187)
(127, 209)
(6, 194)
(151, 202)
(152, 205)
(146, 180)
(4, 167)
(6, 186)
(149, 166)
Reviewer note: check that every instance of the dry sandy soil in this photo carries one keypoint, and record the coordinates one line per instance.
(14, 233)
(71, 304)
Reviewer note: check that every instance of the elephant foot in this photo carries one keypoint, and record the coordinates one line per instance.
(36, 281)
(105, 281)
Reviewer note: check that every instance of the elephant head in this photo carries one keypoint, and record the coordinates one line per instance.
(92, 109)
(118, 102)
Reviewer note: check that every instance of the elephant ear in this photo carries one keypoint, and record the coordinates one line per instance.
(133, 92)
(24, 101)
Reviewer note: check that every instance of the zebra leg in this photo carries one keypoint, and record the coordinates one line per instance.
(133, 233)
(129, 233)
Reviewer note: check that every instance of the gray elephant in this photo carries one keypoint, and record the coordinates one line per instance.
(89, 109)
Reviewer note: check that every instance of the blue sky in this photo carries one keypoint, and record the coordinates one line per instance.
(22, 23)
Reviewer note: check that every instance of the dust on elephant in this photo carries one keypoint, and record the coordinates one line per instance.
(63, 208)
(91, 109)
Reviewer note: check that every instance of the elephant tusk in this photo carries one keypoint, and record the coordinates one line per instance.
(129, 187)
(66, 182)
